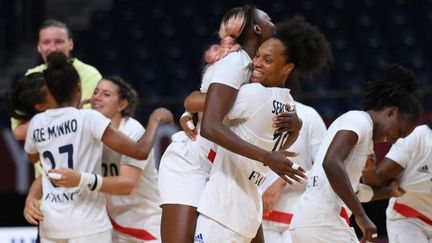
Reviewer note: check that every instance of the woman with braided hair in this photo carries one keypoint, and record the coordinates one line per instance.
(409, 217)
(391, 111)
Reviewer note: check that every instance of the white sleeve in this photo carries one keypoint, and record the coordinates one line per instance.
(248, 99)
(231, 71)
(317, 131)
(30, 146)
(134, 130)
(403, 149)
(95, 123)
(357, 124)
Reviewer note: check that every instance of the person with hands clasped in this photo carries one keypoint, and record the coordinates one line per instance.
(391, 111)
(409, 217)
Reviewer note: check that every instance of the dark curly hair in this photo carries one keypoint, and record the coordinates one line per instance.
(61, 77)
(305, 46)
(20, 101)
(397, 87)
(126, 92)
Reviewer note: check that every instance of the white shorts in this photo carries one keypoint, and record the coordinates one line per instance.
(104, 236)
(122, 238)
(210, 231)
(276, 232)
(183, 173)
(408, 230)
(323, 235)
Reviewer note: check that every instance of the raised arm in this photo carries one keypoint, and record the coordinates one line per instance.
(219, 100)
(121, 143)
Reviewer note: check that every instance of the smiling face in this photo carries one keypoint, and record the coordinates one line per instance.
(270, 67)
(52, 39)
(106, 99)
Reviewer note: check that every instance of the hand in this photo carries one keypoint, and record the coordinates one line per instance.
(69, 177)
(367, 227)
(31, 211)
(83, 103)
(272, 195)
(161, 115)
(396, 190)
(287, 121)
(278, 162)
(191, 133)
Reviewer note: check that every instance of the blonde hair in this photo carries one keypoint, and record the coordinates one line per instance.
(230, 29)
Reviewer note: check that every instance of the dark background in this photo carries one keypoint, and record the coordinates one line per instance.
(158, 47)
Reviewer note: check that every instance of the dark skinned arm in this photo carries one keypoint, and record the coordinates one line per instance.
(219, 101)
(386, 192)
(383, 174)
(339, 149)
(195, 102)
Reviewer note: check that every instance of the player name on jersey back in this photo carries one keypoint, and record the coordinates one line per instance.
(64, 128)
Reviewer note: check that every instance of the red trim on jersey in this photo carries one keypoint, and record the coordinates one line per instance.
(211, 155)
(278, 216)
(137, 233)
(409, 212)
(344, 215)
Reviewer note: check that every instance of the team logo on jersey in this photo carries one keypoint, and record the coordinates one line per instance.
(199, 238)
(62, 197)
(424, 169)
(312, 181)
(257, 178)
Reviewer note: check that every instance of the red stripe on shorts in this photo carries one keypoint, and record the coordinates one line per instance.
(137, 233)
(344, 215)
(409, 212)
(278, 216)
(211, 155)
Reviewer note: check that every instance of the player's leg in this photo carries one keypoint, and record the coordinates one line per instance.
(259, 237)
(178, 223)
(182, 179)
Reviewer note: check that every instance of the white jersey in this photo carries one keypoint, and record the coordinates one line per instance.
(138, 212)
(233, 70)
(185, 165)
(231, 196)
(69, 138)
(307, 144)
(320, 205)
(414, 154)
